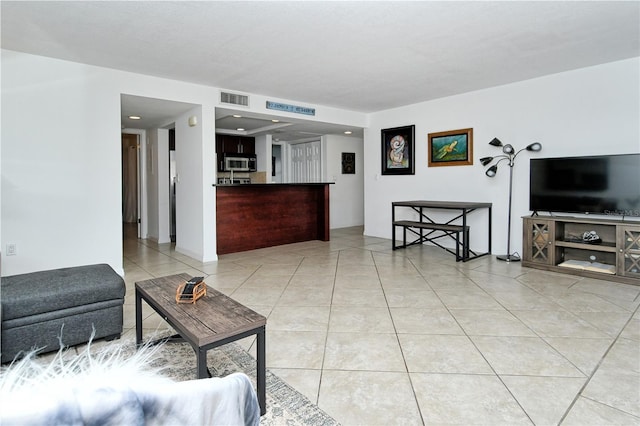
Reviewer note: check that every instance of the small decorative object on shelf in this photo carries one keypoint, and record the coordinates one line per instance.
(591, 237)
(190, 291)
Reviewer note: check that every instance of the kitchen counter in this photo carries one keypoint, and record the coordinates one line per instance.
(275, 184)
(257, 215)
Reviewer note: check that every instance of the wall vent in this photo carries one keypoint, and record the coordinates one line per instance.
(234, 98)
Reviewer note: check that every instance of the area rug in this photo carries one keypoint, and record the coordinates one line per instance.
(285, 405)
(177, 360)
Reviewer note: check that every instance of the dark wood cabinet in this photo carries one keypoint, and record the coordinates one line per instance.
(266, 215)
(232, 144)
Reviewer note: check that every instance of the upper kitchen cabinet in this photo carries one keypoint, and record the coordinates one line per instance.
(232, 144)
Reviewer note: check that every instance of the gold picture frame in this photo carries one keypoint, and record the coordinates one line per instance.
(451, 148)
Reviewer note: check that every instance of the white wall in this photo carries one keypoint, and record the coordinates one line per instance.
(191, 159)
(161, 181)
(589, 111)
(151, 173)
(263, 154)
(157, 178)
(61, 202)
(346, 201)
(61, 165)
(61, 170)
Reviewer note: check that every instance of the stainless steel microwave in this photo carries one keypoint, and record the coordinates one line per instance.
(237, 163)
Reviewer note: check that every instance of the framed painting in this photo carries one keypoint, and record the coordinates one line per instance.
(452, 148)
(398, 151)
(348, 163)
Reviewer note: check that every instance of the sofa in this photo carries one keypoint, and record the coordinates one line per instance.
(46, 310)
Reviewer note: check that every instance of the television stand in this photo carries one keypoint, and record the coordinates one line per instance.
(556, 243)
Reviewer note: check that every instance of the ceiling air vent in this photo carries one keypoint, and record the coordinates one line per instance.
(233, 98)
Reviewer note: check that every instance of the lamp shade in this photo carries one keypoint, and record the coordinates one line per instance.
(508, 149)
(535, 147)
(486, 160)
(491, 171)
(495, 142)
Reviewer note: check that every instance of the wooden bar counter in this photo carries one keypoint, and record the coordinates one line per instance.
(270, 214)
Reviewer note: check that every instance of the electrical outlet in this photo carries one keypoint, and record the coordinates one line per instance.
(12, 250)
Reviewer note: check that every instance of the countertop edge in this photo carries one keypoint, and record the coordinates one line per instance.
(226, 185)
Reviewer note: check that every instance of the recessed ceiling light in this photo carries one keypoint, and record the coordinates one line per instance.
(237, 116)
(275, 121)
(240, 129)
(348, 132)
(134, 117)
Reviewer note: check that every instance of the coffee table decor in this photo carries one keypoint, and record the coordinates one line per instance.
(191, 290)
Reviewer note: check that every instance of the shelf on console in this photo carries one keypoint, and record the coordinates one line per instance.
(605, 247)
(583, 265)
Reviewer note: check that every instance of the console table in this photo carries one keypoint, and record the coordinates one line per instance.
(555, 243)
(452, 228)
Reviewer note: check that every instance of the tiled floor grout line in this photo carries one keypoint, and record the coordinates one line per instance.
(498, 376)
(597, 367)
(326, 337)
(402, 351)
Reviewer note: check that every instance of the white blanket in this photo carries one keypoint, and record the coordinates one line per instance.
(111, 390)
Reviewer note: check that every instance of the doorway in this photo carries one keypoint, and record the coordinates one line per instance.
(276, 163)
(306, 162)
(130, 186)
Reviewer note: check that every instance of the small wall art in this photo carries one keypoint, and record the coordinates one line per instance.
(452, 148)
(398, 151)
(348, 163)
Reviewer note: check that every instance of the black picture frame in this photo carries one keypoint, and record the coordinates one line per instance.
(348, 163)
(398, 147)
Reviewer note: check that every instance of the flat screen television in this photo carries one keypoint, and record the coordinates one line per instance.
(602, 184)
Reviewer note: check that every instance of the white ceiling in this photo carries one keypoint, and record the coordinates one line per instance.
(361, 56)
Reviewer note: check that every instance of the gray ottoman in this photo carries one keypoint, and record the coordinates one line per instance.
(44, 309)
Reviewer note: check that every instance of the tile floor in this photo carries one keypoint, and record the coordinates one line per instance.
(382, 337)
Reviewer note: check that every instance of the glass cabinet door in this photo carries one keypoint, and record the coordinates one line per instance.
(629, 259)
(539, 240)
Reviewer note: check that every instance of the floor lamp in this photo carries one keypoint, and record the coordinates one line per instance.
(509, 155)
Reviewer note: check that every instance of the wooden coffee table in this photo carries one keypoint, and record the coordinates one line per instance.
(212, 321)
